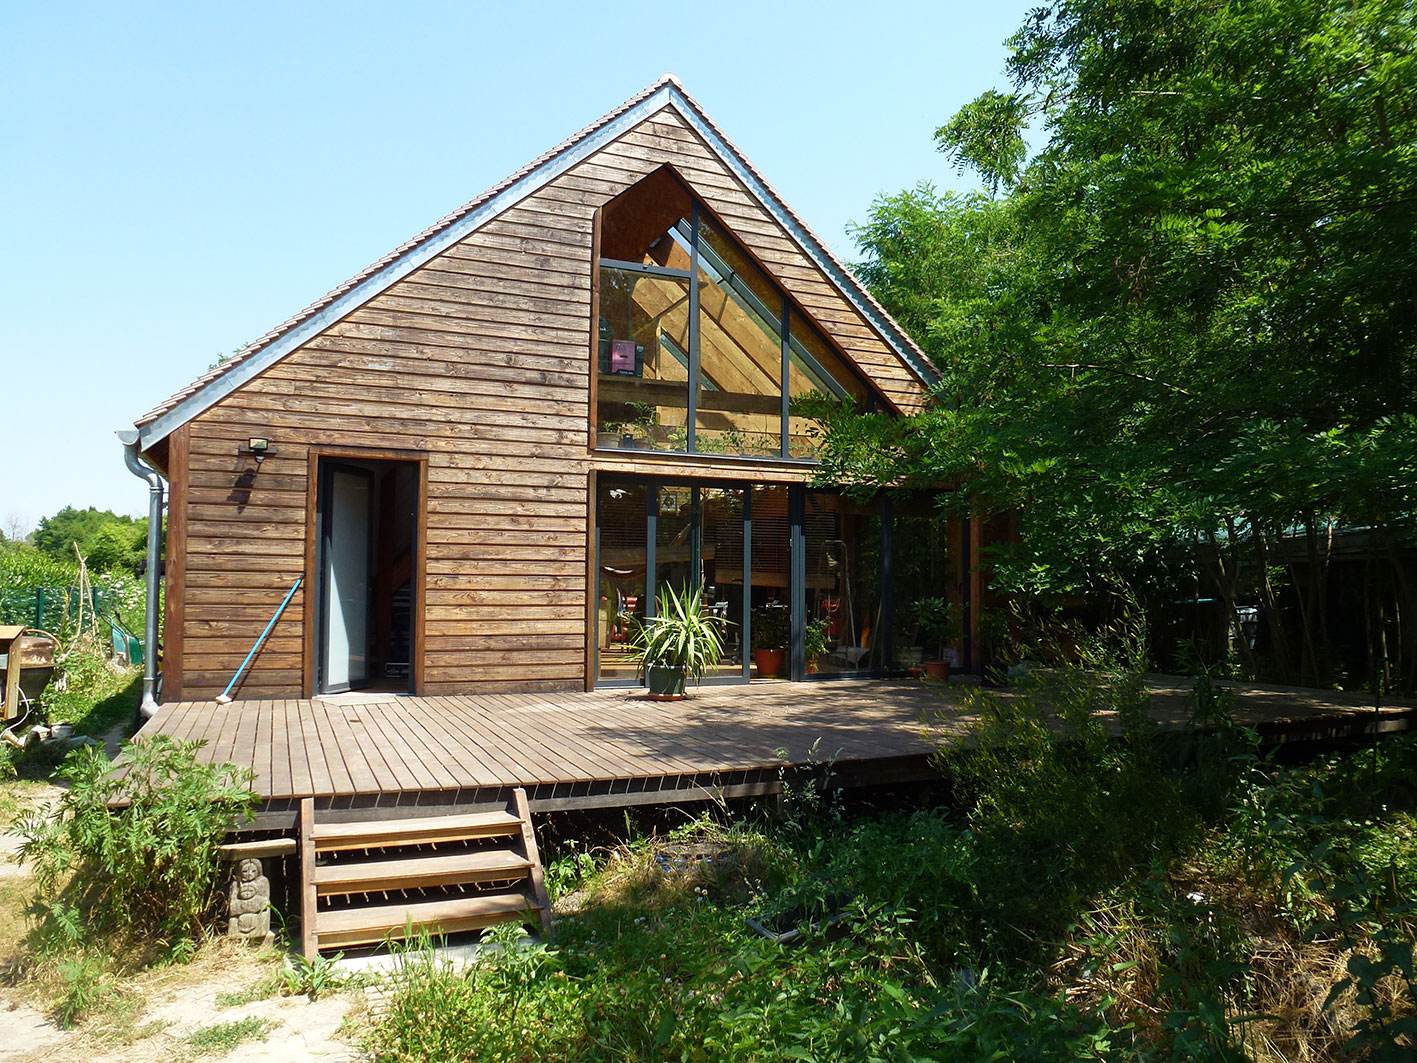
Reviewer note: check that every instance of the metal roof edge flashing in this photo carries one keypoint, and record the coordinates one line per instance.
(844, 280)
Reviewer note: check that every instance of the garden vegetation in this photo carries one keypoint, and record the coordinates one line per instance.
(1098, 889)
(1178, 340)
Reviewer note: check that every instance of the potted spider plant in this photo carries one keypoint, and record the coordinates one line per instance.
(683, 640)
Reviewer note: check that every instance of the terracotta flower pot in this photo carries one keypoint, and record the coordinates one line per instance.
(937, 669)
(769, 662)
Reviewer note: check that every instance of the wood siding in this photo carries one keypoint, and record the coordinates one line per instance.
(479, 363)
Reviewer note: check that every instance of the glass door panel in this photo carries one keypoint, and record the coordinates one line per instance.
(621, 520)
(771, 583)
(673, 540)
(346, 578)
(843, 566)
(721, 569)
(922, 569)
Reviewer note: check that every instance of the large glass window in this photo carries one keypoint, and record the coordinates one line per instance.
(721, 559)
(786, 570)
(698, 349)
(739, 409)
(925, 583)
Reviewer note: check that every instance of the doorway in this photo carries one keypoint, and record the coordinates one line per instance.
(366, 563)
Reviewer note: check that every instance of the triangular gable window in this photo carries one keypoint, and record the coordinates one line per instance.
(699, 367)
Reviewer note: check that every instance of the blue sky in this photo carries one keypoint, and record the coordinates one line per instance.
(177, 179)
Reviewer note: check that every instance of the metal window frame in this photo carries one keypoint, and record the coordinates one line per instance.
(644, 267)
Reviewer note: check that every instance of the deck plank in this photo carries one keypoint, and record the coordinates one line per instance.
(403, 760)
(302, 780)
(592, 729)
(223, 745)
(281, 782)
(599, 761)
(456, 759)
(443, 719)
(550, 764)
(334, 748)
(363, 776)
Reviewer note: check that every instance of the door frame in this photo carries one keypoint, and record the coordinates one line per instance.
(312, 590)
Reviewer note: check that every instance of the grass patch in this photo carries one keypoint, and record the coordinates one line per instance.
(263, 990)
(222, 1037)
(97, 694)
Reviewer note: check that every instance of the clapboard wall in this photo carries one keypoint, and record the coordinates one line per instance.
(478, 364)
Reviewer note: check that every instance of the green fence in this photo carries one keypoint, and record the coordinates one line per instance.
(57, 609)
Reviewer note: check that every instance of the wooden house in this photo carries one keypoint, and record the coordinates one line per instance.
(484, 454)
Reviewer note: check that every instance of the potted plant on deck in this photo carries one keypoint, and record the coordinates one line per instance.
(771, 630)
(939, 624)
(683, 640)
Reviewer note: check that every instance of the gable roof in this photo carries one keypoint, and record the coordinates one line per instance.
(227, 376)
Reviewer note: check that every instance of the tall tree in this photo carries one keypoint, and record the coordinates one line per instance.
(106, 539)
(1190, 317)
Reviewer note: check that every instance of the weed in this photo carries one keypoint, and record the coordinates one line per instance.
(314, 977)
(132, 852)
(87, 987)
(565, 874)
(262, 990)
(808, 802)
(222, 1037)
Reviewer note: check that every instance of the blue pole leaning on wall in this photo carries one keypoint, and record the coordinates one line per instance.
(224, 698)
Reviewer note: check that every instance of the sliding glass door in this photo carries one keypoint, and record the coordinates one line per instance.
(807, 572)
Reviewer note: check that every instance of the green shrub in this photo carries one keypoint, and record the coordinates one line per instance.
(134, 851)
(87, 987)
(660, 965)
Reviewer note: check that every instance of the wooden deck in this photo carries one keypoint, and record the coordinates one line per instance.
(615, 747)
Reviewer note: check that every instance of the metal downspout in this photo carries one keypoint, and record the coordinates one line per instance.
(144, 471)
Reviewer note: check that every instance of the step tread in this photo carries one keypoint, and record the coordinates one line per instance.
(389, 832)
(448, 913)
(441, 869)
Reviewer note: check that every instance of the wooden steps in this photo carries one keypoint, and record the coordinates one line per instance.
(366, 882)
(370, 876)
(371, 926)
(330, 837)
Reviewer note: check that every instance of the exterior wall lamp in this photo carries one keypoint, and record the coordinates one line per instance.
(258, 448)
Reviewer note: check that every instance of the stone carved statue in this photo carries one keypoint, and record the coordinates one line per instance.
(250, 904)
